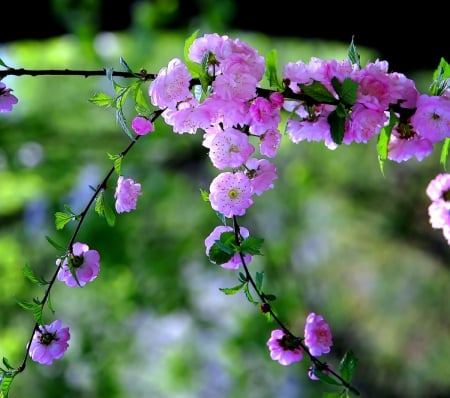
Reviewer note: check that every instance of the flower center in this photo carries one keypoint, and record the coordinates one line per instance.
(47, 338)
(233, 193)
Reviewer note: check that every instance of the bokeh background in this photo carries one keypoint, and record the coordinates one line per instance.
(341, 238)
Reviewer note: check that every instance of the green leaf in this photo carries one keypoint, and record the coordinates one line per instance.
(35, 308)
(109, 214)
(3, 64)
(117, 161)
(252, 245)
(348, 91)
(56, 245)
(337, 126)
(102, 99)
(347, 366)
(383, 140)
(6, 385)
(31, 276)
(123, 123)
(218, 255)
(194, 68)
(326, 378)
(271, 70)
(318, 92)
(61, 219)
(353, 54)
(7, 363)
(441, 78)
(232, 290)
(249, 295)
(444, 153)
(205, 195)
(259, 279)
(270, 297)
(125, 65)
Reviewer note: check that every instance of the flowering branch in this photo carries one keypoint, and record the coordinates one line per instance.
(218, 90)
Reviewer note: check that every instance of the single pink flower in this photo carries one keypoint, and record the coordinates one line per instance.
(142, 125)
(85, 264)
(284, 348)
(317, 335)
(126, 195)
(7, 100)
(231, 194)
(49, 342)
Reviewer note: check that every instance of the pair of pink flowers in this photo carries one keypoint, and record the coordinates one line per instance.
(287, 349)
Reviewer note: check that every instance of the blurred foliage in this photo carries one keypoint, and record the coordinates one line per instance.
(341, 240)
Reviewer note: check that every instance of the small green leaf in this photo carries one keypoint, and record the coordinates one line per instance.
(252, 245)
(32, 277)
(7, 363)
(61, 219)
(270, 297)
(326, 378)
(259, 279)
(125, 65)
(205, 195)
(271, 70)
(232, 290)
(444, 153)
(353, 54)
(337, 127)
(348, 91)
(56, 245)
(109, 214)
(117, 161)
(6, 385)
(34, 307)
(383, 140)
(102, 99)
(318, 92)
(3, 64)
(347, 366)
(249, 295)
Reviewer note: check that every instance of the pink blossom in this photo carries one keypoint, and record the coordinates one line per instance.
(230, 148)
(228, 113)
(85, 264)
(284, 348)
(142, 125)
(439, 187)
(49, 342)
(126, 194)
(7, 100)
(264, 116)
(402, 148)
(439, 213)
(318, 336)
(231, 194)
(262, 173)
(188, 117)
(432, 117)
(171, 86)
(364, 124)
(270, 143)
(235, 262)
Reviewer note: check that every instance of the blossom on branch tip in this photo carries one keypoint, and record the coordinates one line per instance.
(82, 263)
(7, 100)
(126, 195)
(49, 342)
(142, 125)
(284, 348)
(318, 336)
(438, 190)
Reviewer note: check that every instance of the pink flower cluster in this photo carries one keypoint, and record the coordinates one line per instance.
(422, 120)
(287, 349)
(231, 115)
(438, 190)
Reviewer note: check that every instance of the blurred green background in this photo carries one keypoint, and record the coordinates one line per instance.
(341, 239)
